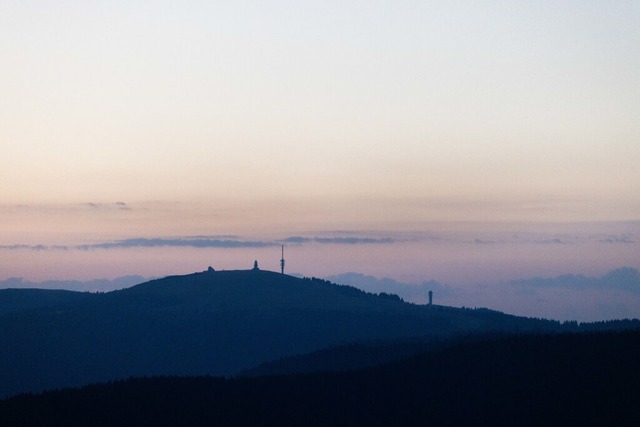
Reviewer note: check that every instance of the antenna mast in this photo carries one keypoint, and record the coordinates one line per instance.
(282, 260)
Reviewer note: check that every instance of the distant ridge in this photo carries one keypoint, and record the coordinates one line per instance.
(208, 323)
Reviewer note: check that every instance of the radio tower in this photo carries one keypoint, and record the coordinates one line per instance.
(282, 260)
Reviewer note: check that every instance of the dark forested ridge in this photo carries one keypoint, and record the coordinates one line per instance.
(17, 300)
(588, 379)
(211, 323)
(362, 355)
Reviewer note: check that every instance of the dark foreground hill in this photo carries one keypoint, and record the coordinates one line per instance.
(210, 323)
(562, 379)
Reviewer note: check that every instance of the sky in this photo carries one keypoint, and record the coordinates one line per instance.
(466, 142)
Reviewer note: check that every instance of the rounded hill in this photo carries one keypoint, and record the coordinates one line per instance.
(211, 323)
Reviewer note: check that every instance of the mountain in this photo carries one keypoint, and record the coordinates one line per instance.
(94, 285)
(209, 323)
(526, 380)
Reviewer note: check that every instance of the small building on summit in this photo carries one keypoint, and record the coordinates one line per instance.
(255, 265)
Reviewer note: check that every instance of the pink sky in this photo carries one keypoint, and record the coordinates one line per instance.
(487, 140)
(90, 240)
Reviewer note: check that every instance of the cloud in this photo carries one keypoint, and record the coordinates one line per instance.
(554, 241)
(177, 242)
(227, 241)
(148, 243)
(483, 242)
(95, 285)
(617, 239)
(297, 240)
(38, 247)
(122, 206)
(622, 279)
(349, 240)
(15, 247)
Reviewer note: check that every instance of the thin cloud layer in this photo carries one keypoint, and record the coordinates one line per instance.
(622, 279)
(202, 242)
(178, 242)
(38, 247)
(338, 240)
(122, 206)
(625, 239)
(357, 238)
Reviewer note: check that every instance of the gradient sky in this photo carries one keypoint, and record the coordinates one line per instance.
(412, 121)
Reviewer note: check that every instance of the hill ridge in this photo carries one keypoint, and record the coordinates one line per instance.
(213, 323)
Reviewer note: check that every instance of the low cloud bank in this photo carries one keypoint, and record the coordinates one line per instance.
(178, 242)
(95, 285)
(622, 279)
(338, 240)
(203, 242)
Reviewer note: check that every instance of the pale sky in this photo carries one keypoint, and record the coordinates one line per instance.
(126, 119)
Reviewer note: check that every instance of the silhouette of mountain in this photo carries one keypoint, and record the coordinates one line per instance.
(94, 285)
(209, 323)
(524, 380)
